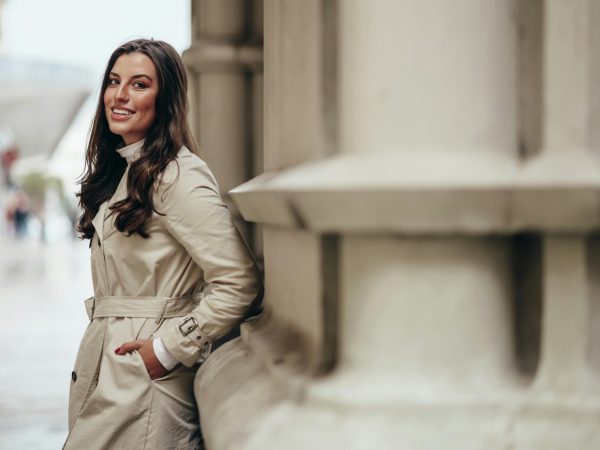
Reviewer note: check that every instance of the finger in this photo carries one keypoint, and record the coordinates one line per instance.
(128, 347)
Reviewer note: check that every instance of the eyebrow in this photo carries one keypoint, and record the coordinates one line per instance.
(141, 75)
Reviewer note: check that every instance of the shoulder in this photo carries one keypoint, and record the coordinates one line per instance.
(186, 167)
(185, 173)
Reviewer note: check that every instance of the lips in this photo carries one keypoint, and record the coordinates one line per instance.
(121, 113)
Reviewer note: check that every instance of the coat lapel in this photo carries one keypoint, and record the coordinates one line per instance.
(98, 221)
(103, 212)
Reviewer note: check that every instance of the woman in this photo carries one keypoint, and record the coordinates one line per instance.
(170, 271)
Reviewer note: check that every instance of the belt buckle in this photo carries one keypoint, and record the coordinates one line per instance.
(187, 328)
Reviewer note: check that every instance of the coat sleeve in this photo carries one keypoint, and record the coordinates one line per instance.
(198, 219)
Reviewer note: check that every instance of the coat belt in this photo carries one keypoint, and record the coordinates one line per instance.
(145, 307)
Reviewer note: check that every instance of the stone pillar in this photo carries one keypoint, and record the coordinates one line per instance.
(225, 68)
(430, 194)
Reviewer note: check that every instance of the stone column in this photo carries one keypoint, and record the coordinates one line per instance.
(225, 68)
(430, 191)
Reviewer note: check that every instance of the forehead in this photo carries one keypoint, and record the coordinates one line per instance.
(132, 64)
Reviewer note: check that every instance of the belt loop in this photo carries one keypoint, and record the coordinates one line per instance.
(93, 308)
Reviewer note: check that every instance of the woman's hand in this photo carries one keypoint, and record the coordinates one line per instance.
(146, 350)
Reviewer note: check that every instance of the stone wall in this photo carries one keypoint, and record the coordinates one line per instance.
(428, 206)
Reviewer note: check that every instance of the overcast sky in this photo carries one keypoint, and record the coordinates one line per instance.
(85, 32)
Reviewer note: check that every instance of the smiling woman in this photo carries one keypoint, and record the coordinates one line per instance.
(170, 271)
(130, 96)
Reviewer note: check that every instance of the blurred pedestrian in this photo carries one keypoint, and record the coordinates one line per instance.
(170, 271)
(21, 214)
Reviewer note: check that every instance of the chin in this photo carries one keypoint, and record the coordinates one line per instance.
(116, 129)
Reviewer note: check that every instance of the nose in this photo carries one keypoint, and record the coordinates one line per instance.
(122, 93)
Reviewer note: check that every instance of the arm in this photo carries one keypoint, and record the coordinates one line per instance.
(198, 219)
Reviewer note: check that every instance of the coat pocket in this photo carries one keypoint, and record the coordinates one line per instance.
(139, 361)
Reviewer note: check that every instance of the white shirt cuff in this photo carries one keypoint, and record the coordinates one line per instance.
(163, 355)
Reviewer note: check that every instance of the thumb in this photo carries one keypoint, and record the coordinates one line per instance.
(128, 347)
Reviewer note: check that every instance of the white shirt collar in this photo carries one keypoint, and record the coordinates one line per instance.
(132, 151)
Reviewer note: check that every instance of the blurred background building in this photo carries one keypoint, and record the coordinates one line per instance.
(51, 58)
(420, 181)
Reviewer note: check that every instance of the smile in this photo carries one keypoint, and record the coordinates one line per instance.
(122, 112)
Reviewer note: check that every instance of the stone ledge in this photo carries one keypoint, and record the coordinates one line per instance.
(430, 193)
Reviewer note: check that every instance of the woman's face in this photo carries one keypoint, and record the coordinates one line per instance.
(130, 97)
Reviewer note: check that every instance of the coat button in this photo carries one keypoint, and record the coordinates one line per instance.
(74, 376)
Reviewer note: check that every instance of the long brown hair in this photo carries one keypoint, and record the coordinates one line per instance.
(104, 167)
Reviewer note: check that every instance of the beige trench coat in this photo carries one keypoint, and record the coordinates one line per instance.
(139, 292)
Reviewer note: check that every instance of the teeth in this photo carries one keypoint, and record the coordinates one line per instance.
(122, 112)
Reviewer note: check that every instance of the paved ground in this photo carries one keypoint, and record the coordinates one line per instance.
(41, 321)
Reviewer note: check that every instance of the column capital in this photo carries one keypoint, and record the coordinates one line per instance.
(430, 193)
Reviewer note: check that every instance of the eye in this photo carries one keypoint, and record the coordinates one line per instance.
(112, 82)
(139, 85)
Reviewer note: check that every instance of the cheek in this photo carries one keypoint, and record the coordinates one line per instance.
(106, 98)
(106, 108)
(149, 107)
